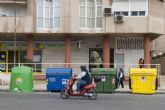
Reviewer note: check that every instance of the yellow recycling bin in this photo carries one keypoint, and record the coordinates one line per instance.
(143, 80)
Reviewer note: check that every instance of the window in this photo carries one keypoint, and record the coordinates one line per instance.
(134, 13)
(124, 13)
(90, 13)
(138, 13)
(142, 13)
(130, 7)
(48, 14)
(82, 13)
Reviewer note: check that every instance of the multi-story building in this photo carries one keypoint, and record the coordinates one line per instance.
(71, 31)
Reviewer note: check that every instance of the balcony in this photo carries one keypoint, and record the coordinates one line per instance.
(23, 24)
(135, 25)
(14, 1)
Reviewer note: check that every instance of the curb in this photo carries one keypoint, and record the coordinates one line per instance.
(129, 92)
(116, 92)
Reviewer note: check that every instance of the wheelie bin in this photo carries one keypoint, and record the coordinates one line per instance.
(21, 79)
(143, 80)
(108, 82)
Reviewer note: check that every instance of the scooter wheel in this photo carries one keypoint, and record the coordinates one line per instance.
(64, 95)
(94, 95)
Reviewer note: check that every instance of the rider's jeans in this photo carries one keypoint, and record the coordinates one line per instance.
(81, 83)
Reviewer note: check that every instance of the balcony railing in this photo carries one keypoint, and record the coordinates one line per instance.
(23, 24)
(40, 68)
(14, 1)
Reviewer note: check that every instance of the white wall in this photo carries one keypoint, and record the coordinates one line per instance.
(131, 57)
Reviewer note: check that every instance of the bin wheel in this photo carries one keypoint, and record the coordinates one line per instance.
(130, 83)
(64, 95)
(94, 94)
(156, 84)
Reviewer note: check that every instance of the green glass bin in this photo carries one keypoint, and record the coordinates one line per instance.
(21, 79)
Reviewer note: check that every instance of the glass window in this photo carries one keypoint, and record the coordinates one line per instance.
(40, 11)
(40, 22)
(48, 14)
(99, 2)
(46, 11)
(124, 13)
(134, 13)
(99, 22)
(117, 13)
(82, 22)
(141, 13)
(91, 13)
(130, 7)
(82, 2)
(82, 13)
(99, 10)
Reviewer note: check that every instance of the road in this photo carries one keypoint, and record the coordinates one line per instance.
(52, 101)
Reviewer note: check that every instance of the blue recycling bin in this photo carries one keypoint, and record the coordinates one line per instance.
(57, 78)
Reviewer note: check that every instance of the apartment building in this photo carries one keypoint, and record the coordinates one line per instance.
(71, 31)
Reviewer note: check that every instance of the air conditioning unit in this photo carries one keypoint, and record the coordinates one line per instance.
(119, 18)
(107, 11)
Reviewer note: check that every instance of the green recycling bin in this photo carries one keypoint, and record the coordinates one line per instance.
(108, 82)
(21, 79)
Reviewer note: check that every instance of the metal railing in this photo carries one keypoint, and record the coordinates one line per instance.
(40, 68)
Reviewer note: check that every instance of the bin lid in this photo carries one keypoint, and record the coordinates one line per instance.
(58, 71)
(22, 69)
(143, 71)
(103, 71)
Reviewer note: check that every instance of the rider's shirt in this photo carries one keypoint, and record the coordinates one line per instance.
(81, 75)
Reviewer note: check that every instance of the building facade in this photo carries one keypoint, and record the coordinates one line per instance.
(72, 32)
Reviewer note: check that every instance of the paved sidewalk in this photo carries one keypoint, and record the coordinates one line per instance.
(40, 86)
(160, 90)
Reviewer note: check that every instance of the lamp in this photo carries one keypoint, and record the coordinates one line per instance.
(79, 43)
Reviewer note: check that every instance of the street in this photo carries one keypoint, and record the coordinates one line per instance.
(52, 101)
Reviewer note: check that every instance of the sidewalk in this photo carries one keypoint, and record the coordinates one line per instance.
(40, 86)
(160, 90)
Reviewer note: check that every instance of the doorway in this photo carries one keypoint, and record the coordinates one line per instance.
(98, 52)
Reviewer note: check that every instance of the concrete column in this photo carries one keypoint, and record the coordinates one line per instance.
(106, 52)
(30, 47)
(147, 48)
(67, 50)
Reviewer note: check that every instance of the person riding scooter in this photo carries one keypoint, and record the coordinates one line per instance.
(83, 78)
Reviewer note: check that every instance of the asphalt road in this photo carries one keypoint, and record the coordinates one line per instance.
(52, 101)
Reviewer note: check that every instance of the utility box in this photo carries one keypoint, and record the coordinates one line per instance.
(57, 78)
(21, 79)
(143, 80)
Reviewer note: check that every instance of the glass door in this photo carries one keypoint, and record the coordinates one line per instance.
(4, 61)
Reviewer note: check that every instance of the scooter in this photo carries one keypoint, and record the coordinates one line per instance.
(87, 90)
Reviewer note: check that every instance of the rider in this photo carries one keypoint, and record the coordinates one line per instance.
(83, 78)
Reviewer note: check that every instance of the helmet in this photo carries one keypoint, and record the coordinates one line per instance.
(83, 68)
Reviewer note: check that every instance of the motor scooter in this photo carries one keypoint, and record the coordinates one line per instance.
(87, 90)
